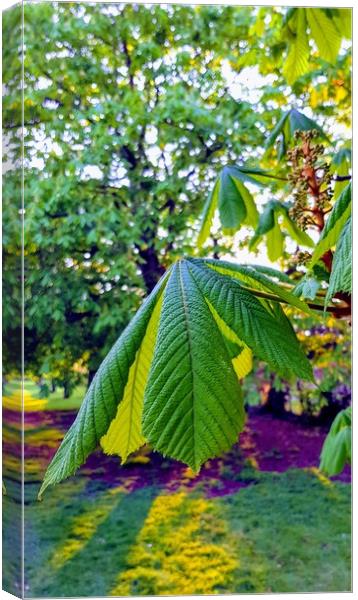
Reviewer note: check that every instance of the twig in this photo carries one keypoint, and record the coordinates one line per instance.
(341, 310)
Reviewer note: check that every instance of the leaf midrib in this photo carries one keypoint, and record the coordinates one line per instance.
(186, 315)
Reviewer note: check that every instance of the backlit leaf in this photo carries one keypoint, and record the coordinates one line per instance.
(325, 34)
(337, 447)
(274, 243)
(342, 19)
(334, 224)
(208, 215)
(296, 63)
(124, 435)
(252, 215)
(232, 208)
(341, 275)
(100, 404)
(271, 340)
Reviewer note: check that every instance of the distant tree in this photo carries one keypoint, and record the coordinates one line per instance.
(125, 105)
(131, 111)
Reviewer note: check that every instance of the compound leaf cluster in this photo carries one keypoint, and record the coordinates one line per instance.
(173, 377)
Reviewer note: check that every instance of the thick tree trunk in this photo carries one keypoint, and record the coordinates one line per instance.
(66, 390)
(276, 402)
(151, 268)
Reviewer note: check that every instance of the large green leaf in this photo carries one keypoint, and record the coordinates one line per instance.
(252, 277)
(334, 224)
(193, 408)
(172, 377)
(299, 122)
(342, 19)
(337, 447)
(274, 243)
(324, 33)
(270, 340)
(301, 237)
(208, 214)
(291, 121)
(233, 199)
(232, 208)
(341, 275)
(276, 131)
(106, 391)
(296, 63)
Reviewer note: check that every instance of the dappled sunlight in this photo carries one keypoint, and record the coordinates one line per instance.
(175, 554)
(83, 527)
(45, 437)
(320, 476)
(14, 402)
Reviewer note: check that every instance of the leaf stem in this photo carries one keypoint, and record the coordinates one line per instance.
(270, 176)
(339, 310)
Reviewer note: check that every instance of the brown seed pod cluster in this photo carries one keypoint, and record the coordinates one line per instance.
(310, 180)
(299, 258)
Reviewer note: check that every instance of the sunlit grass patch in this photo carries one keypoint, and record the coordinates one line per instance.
(83, 527)
(44, 437)
(30, 403)
(289, 532)
(12, 398)
(175, 552)
(322, 478)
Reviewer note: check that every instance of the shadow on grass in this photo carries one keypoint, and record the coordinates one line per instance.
(11, 538)
(297, 528)
(92, 549)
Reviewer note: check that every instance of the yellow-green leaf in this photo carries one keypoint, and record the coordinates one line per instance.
(208, 215)
(296, 63)
(124, 435)
(242, 354)
(324, 33)
(252, 214)
(274, 243)
(336, 221)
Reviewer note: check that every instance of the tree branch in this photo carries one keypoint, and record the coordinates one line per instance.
(339, 310)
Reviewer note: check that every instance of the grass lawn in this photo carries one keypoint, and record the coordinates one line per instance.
(288, 532)
(149, 528)
(55, 400)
